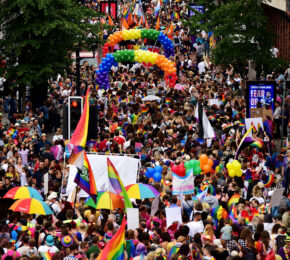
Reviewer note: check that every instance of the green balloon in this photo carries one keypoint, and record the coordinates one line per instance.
(191, 162)
(196, 170)
(196, 163)
(187, 165)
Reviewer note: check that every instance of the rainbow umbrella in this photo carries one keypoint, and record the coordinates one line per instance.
(141, 191)
(106, 200)
(31, 206)
(23, 193)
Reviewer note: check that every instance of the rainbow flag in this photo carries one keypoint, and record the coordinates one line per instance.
(144, 110)
(227, 126)
(245, 216)
(173, 250)
(211, 118)
(222, 213)
(167, 101)
(269, 181)
(80, 134)
(175, 15)
(85, 178)
(12, 133)
(117, 183)
(253, 127)
(259, 126)
(258, 144)
(233, 214)
(233, 200)
(223, 98)
(115, 248)
(242, 125)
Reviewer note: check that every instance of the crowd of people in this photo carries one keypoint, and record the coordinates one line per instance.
(159, 133)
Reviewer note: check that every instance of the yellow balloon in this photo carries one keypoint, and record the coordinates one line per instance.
(239, 173)
(231, 173)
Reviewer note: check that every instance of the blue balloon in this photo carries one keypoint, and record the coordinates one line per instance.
(158, 169)
(157, 176)
(149, 173)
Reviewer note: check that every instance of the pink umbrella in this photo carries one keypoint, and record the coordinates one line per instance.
(179, 87)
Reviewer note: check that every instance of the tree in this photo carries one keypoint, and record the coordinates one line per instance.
(240, 29)
(38, 38)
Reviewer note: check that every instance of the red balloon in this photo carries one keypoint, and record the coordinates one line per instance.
(181, 170)
(174, 169)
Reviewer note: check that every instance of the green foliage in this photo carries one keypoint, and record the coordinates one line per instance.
(239, 27)
(39, 36)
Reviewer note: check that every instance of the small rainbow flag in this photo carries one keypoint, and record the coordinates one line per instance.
(85, 179)
(175, 15)
(254, 129)
(211, 118)
(173, 250)
(12, 133)
(259, 127)
(258, 144)
(144, 110)
(80, 134)
(263, 209)
(233, 214)
(117, 183)
(227, 126)
(269, 181)
(167, 101)
(233, 200)
(223, 98)
(115, 248)
(242, 125)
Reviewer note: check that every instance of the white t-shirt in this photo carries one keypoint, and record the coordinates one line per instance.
(201, 67)
(195, 227)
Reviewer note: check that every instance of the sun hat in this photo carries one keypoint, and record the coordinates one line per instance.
(52, 195)
(66, 241)
(218, 243)
(49, 240)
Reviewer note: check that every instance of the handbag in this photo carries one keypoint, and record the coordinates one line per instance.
(271, 255)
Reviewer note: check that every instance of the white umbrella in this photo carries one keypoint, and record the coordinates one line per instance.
(151, 98)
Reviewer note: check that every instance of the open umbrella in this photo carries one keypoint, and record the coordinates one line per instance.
(106, 200)
(31, 206)
(23, 193)
(141, 191)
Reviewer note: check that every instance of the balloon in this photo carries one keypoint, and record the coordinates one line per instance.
(229, 165)
(149, 173)
(207, 168)
(196, 170)
(203, 159)
(239, 173)
(231, 173)
(210, 162)
(158, 169)
(157, 176)
(187, 165)
(174, 169)
(196, 163)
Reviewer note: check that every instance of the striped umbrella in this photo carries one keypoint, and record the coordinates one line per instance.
(141, 191)
(23, 193)
(31, 206)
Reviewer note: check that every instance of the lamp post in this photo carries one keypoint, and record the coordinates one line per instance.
(78, 73)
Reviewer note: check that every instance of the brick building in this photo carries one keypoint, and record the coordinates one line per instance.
(278, 13)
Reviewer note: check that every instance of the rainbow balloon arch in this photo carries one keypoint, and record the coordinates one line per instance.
(134, 34)
(112, 59)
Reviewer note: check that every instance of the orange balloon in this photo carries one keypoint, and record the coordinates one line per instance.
(203, 159)
(207, 168)
(210, 162)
